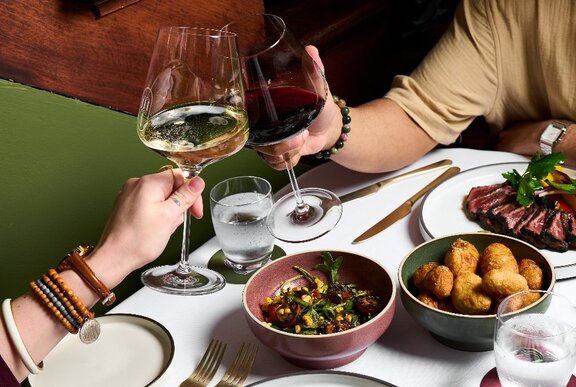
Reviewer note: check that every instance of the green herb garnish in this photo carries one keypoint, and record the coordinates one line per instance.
(330, 266)
(531, 181)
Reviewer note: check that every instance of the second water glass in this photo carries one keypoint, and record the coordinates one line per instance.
(535, 347)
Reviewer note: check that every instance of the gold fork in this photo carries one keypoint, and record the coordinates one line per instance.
(240, 368)
(205, 370)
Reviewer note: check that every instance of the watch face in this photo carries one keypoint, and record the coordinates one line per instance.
(551, 134)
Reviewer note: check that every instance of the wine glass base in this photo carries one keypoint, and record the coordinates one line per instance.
(286, 226)
(167, 279)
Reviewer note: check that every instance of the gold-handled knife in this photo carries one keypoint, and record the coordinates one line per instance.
(377, 186)
(405, 208)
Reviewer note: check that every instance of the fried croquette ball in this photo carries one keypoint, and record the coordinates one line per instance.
(439, 281)
(500, 283)
(447, 306)
(520, 301)
(462, 256)
(468, 297)
(421, 273)
(497, 256)
(428, 299)
(532, 272)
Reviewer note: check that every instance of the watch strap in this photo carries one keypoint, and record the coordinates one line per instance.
(547, 143)
(75, 261)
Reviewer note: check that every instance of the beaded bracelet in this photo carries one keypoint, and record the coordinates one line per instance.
(49, 299)
(58, 298)
(65, 301)
(16, 339)
(346, 120)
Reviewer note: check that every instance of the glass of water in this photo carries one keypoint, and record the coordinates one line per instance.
(536, 347)
(239, 207)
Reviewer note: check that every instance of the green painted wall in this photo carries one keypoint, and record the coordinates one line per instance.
(62, 161)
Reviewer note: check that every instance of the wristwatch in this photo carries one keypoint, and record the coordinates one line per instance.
(552, 135)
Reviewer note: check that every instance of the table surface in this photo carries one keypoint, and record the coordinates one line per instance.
(405, 355)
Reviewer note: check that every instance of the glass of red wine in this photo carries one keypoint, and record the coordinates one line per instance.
(285, 92)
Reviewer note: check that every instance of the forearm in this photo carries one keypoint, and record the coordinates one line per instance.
(383, 138)
(39, 329)
(524, 138)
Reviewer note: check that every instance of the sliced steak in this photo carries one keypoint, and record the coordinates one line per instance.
(509, 218)
(532, 229)
(554, 235)
(569, 223)
(481, 204)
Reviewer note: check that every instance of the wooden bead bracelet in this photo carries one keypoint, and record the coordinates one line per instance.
(53, 292)
(346, 120)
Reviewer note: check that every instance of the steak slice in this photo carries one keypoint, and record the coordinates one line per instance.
(508, 219)
(478, 204)
(554, 235)
(533, 228)
(569, 223)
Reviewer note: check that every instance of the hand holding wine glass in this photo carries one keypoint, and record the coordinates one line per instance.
(193, 113)
(285, 92)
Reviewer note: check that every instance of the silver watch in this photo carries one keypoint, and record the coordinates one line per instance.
(552, 135)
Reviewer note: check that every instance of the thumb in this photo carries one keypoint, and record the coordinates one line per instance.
(315, 55)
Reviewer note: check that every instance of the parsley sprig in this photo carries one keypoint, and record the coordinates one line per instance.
(330, 266)
(531, 181)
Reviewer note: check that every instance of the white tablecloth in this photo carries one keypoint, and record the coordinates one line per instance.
(406, 355)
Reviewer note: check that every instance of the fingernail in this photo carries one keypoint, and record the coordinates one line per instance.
(196, 185)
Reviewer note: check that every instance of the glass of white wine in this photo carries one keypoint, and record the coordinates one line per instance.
(535, 347)
(192, 112)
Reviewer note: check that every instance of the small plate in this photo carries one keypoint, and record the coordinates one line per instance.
(322, 379)
(442, 211)
(132, 350)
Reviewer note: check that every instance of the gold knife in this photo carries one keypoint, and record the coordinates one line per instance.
(405, 208)
(373, 188)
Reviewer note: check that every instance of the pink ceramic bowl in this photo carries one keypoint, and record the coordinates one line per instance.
(321, 351)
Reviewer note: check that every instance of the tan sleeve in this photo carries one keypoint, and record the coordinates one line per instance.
(458, 79)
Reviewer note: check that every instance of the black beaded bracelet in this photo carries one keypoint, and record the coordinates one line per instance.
(346, 119)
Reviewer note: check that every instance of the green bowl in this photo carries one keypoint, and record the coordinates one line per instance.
(463, 331)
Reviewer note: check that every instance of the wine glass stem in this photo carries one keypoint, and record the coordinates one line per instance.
(184, 267)
(302, 210)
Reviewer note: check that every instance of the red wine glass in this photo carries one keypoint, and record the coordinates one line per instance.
(285, 92)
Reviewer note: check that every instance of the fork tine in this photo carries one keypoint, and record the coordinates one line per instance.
(240, 368)
(208, 365)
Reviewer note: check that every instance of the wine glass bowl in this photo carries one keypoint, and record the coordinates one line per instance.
(192, 112)
(285, 92)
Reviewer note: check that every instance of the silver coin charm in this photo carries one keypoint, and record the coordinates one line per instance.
(89, 331)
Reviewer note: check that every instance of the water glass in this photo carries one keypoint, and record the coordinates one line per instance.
(239, 207)
(536, 347)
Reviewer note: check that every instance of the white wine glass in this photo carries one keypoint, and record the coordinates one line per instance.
(193, 113)
(535, 346)
(285, 92)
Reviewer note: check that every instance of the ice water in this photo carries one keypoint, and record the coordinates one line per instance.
(524, 361)
(241, 228)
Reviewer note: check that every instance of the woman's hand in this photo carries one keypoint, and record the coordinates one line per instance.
(146, 212)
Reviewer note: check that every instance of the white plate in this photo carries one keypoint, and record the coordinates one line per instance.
(322, 379)
(131, 351)
(442, 212)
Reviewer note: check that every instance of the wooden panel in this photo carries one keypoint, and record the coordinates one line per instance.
(62, 46)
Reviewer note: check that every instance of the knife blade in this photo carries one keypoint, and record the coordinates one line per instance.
(405, 208)
(373, 188)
